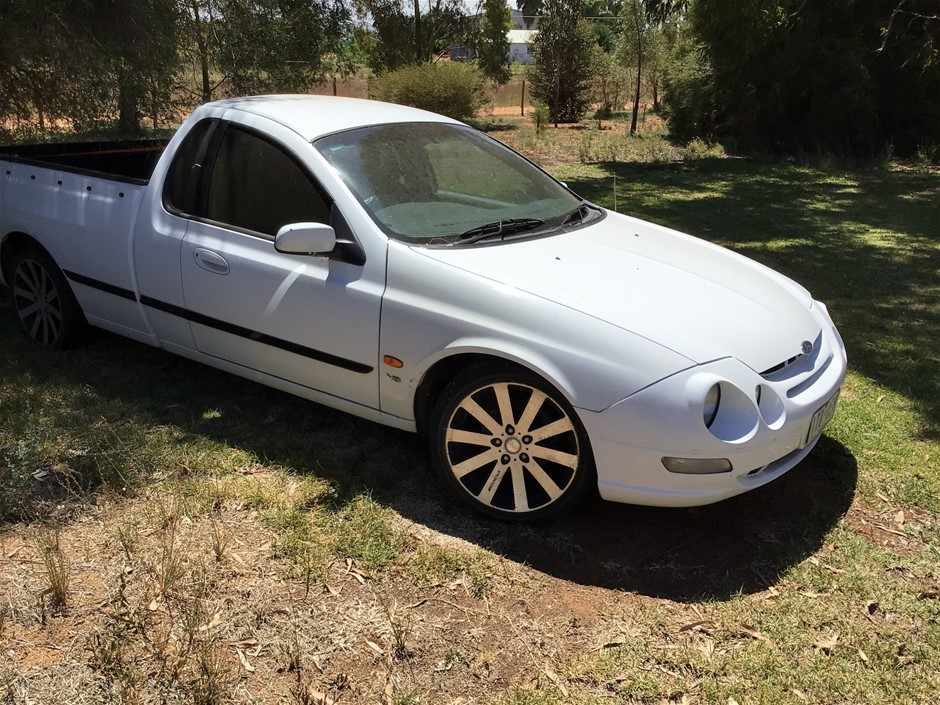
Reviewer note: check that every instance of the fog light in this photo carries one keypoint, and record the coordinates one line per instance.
(697, 466)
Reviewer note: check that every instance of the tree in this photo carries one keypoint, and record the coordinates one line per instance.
(841, 76)
(407, 32)
(636, 37)
(83, 61)
(561, 73)
(690, 96)
(197, 25)
(492, 42)
(280, 45)
(136, 43)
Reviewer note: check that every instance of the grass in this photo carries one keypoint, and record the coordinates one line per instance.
(216, 541)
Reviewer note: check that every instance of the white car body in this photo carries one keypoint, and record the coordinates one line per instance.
(630, 322)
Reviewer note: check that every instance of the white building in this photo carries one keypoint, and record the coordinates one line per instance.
(520, 41)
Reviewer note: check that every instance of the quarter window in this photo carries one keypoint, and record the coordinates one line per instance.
(184, 168)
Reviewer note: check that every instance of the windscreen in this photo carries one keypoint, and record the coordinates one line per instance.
(434, 183)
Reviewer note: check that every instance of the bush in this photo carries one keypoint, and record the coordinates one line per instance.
(452, 89)
(690, 102)
(540, 116)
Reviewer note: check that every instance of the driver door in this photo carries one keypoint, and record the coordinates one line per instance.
(307, 319)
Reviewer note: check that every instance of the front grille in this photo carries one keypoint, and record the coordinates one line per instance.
(782, 366)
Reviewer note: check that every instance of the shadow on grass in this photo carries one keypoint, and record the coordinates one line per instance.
(741, 545)
(744, 544)
(867, 243)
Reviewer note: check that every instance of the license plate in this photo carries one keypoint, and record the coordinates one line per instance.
(822, 416)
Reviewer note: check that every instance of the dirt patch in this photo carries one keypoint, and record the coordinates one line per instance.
(892, 529)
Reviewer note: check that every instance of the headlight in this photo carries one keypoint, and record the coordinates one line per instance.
(712, 400)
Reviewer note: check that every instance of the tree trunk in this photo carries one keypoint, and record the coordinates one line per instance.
(420, 54)
(203, 50)
(639, 68)
(636, 94)
(128, 119)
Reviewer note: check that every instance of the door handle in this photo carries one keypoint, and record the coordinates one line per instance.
(210, 261)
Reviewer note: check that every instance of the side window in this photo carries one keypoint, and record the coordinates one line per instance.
(257, 186)
(184, 163)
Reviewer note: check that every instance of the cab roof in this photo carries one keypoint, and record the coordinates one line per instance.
(313, 116)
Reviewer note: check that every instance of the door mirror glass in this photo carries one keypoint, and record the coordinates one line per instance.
(305, 239)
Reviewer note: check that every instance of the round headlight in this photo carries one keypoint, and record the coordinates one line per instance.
(712, 400)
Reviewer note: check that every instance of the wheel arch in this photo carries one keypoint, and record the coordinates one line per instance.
(15, 242)
(456, 358)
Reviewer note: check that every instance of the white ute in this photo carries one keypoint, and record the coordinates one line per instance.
(400, 266)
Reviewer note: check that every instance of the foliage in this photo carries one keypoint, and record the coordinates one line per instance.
(789, 76)
(82, 61)
(610, 81)
(272, 45)
(85, 62)
(689, 102)
(406, 33)
(492, 42)
(453, 89)
(564, 50)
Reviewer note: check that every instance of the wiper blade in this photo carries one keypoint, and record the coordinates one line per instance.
(499, 228)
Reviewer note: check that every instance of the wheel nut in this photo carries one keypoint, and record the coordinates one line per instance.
(497, 442)
(510, 429)
(527, 439)
(504, 460)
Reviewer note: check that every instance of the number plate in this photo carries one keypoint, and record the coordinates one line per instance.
(822, 416)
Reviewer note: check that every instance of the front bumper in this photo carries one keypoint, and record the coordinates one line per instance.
(763, 426)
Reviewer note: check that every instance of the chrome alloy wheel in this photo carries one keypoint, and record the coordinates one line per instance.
(38, 302)
(512, 448)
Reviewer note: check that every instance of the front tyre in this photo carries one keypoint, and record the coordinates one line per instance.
(43, 302)
(510, 445)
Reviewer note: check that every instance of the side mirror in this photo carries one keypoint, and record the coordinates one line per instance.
(305, 239)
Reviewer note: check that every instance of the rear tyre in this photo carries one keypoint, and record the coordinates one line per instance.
(43, 301)
(510, 445)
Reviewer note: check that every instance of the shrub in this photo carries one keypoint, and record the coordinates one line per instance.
(449, 88)
(540, 116)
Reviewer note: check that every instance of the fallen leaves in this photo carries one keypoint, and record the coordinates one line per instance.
(705, 626)
(244, 660)
(827, 645)
(754, 634)
(553, 677)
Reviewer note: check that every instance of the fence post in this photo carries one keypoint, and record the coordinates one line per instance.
(334, 85)
(522, 102)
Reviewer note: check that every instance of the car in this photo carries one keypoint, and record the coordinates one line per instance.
(404, 267)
